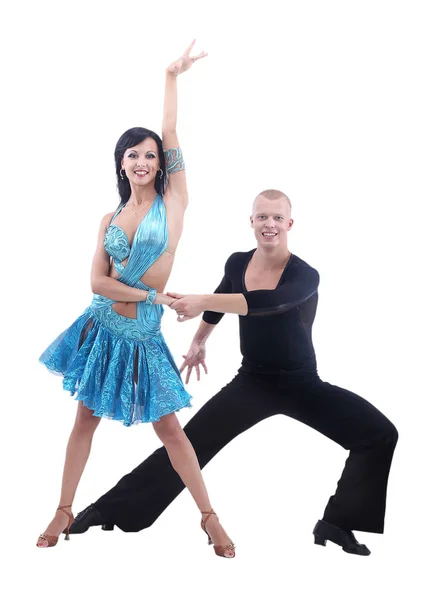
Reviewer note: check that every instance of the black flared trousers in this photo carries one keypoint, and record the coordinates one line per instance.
(252, 396)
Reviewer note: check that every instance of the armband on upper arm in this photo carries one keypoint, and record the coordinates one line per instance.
(174, 160)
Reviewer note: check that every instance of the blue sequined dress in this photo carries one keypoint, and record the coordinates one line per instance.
(122, 369)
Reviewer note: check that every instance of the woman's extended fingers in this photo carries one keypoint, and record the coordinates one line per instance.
(189, 49)
(199, 56)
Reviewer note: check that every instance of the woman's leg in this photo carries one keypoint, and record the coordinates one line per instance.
(185, 463)
(78, 449)
(138, 499)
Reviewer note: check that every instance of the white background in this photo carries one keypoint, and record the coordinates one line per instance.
(324, 100)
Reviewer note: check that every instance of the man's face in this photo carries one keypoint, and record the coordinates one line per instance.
(271, 220)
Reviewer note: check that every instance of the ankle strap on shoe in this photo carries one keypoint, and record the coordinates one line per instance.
(209, 513)
(67, 512)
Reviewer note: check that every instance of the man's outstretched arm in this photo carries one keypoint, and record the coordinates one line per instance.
(301, 283)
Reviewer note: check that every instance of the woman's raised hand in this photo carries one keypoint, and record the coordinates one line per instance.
(185, 61)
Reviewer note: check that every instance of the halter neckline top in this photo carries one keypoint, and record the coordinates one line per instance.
(150, 241)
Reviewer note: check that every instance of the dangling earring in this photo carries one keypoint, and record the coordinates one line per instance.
(161, 173)
(121, 174)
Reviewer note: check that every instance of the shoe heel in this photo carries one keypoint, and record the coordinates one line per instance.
(107, 527)
(319, 541)
(67, 535)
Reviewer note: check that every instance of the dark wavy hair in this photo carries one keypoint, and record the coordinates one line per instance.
(129, 139)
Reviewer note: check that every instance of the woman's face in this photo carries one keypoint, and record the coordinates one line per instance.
(141, 162)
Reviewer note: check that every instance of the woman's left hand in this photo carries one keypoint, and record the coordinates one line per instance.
(186, 61)
(163, 299)
(187, 307)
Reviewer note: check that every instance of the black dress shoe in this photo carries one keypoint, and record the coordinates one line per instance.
(324, 531)
(89, 517)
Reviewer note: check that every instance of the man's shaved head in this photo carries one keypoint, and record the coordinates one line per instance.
(272, 195)
(271, 219)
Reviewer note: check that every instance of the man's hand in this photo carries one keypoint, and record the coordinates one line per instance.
(194, 358)
(187, 307)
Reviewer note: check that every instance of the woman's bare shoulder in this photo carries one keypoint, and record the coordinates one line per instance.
(105, 221)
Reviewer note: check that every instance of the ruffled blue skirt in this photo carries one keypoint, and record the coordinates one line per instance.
(116, 372)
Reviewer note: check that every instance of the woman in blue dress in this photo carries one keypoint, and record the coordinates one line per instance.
(114, 357)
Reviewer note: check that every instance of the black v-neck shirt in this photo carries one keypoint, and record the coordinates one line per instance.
(277, 331)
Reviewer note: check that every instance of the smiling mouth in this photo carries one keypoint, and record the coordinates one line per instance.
(141, 173)
(269, 235)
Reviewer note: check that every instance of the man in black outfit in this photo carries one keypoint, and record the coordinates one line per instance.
(275, 295)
